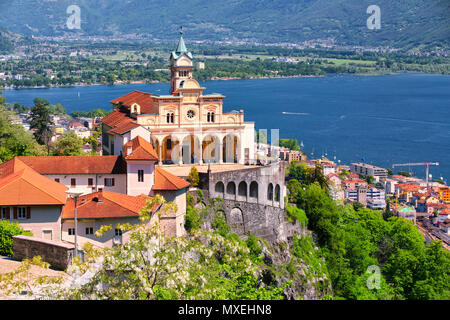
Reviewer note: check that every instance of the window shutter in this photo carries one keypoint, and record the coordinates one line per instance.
(28, 212)
(7, 213)
(104, 182)
(113, 182)
(15, 212)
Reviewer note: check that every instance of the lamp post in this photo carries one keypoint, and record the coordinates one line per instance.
(74, 195)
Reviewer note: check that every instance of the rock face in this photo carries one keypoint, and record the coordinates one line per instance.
(263, 221)
(305, 269)
(307, 283)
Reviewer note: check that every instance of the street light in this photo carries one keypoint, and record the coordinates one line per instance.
(74, 194)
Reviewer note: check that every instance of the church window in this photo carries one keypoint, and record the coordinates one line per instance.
(191, 114)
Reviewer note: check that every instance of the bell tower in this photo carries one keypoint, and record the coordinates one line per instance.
(181, 65)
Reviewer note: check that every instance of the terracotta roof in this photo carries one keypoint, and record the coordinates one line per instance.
(409, 187)
(76, 164)
(140, 150)
(119, 121)
(21, 185)
(105, 204)
(143, 99)
(167, 181)
(354, 181)
(123, 127)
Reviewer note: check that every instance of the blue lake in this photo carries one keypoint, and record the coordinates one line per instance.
(380, 119)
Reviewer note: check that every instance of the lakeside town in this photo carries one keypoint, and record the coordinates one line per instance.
(176, 176)
(425, 203)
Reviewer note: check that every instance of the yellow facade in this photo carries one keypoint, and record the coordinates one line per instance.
(444, 194)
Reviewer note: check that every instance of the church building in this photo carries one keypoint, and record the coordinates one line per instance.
(185, 126)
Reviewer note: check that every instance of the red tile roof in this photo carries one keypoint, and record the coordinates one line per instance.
(354, 181)
(105, 204)
(76, 164)
(21, 185)
(143, 99)
(119, 121)
(409, 187)
(140, 150)
(167, 181)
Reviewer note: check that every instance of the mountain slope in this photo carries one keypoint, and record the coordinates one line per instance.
(403, 22)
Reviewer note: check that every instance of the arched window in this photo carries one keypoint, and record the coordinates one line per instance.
(168, 118)
(212, 116)
(277, 193)
(231, 188)
(208, 118)
(254, 189)
(171, 118)
(242, 189)
(270, 192)
(219, 189)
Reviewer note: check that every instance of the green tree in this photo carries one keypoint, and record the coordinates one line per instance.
(14, 140)
(291, 144)
(7, 231)
(40, 122)
(193, 177)
(69, 145)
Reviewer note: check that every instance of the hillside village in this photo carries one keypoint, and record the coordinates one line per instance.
(149, 145)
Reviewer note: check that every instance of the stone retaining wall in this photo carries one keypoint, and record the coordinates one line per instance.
(57, 254)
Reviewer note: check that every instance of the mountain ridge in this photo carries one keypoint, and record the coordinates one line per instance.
(403, 23)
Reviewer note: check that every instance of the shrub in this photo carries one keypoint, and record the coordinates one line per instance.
(296, 214)
(193, 219)
(193, 177)
(255, 248)
(7, 231)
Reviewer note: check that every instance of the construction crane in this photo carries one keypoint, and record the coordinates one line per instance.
(428, 164)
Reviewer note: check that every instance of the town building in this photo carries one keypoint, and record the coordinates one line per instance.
(407, 213)
(33, 191)
(369, 170)
(376, 198)
(185, 126)
(444, 194)
(31, 199)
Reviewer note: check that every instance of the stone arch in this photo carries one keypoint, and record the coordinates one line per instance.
(135, 108)
(221, 213)
(155, 143)
(219, 189)
(254, 189)
(236, 220)
(231, 188)
(211, 148)
(270, 192)
(242, 189)
(200, 205)
(277, 193)
(170, 146)
(231, 148)
(191, 149)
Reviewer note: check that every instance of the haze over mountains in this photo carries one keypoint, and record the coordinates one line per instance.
(404, 23)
